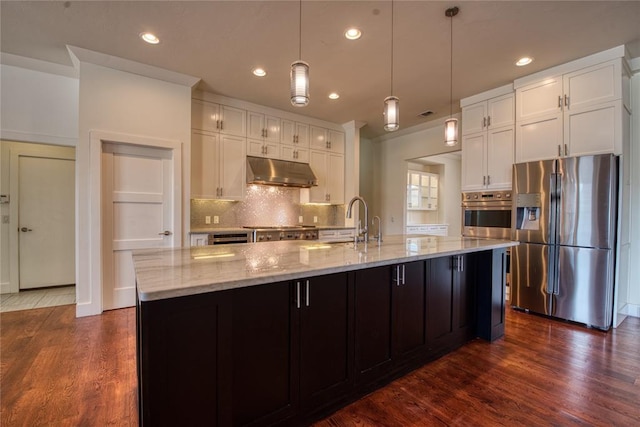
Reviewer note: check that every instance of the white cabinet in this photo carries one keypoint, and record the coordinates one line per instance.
(325, 139)
(422, 191)
(428, 229)
(295, 133)
(294, 153)
(218, 166)
(329, 170)
(262, 126)
(218, 118)
(261, 148)
(488, 143)
(334, 236)
(199, 239)
(573, 114)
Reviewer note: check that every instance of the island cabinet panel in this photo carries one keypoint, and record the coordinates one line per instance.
(264, 363)
(390, 318)
(490, 278)
(291, 347)
(182, 355)
(451, 316)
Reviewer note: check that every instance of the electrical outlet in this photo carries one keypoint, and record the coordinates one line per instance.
(216, 219)
(315, 219)
(300, 219)
(207, 219)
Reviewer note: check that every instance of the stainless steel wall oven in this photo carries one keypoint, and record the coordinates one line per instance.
(487, 214)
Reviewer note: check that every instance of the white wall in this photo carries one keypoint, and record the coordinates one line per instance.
(392, 172)
(38, 106)
(121, 102)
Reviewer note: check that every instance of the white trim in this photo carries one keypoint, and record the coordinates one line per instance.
(79, 55)
(14, 191)
(587, 61)
(631, 310)
(19, 136)
(499, 91)
(96, 139)
(634, 64)
(38, 65)
(5, 288)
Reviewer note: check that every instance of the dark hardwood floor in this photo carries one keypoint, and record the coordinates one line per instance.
(57, 370)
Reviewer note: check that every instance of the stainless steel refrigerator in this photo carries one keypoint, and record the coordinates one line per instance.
(564, 215)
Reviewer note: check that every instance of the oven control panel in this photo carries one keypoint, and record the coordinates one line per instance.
(487, 196)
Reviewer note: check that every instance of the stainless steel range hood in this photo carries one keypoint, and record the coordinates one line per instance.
(279, 172)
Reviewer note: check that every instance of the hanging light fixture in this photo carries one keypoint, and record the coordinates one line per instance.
(391, 103)
(300, 74)
(451, 124)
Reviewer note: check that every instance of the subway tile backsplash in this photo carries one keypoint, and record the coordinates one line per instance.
(264, 206)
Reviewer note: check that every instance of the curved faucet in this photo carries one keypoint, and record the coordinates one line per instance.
(362, 230)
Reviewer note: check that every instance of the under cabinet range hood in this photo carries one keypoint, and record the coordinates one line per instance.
(279, 172)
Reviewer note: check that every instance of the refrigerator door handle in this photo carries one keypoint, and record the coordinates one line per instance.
(553, 208)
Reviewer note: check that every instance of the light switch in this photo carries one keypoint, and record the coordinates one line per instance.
(207, 219)
(300, 219)
(315, 219)
(216, 219)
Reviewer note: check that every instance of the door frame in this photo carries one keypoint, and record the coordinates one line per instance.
(38, 150)
(93, 229)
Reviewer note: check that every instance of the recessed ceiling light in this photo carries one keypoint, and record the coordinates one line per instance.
(259, 72)
(353, 34)
(150, 38)
(334, 95)
(525, 60)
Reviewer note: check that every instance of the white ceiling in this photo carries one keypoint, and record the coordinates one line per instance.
(222, 41)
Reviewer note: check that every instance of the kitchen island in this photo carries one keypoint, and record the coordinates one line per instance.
(286, 332)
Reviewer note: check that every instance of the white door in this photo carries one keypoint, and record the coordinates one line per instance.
(46, 221)
(137, 206)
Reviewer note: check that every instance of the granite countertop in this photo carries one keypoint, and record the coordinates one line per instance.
(169, 273)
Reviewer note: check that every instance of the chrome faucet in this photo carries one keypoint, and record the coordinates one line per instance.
(364, 231)
(378, 236)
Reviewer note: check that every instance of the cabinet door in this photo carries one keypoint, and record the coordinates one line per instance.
(440, 302)
(593, 85)
(539, 138)
(264, 388)
(204, 165)
(318, 164)
(233, 121)
(255, 148)
(272, 129)
(500, 157)
(473, 161)
(474, 118)
(464, 299)
(500, 111)
(325, 334)
(205, 115)
(335, 178)
(410, 310)
(233, 167)
(373, 348)
(539, 98)
(255, 125)
(594, 129)
(288, 132)
(302, 135)
(317, 138)
(335, 141)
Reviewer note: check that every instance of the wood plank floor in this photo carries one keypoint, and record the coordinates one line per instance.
(56, 370)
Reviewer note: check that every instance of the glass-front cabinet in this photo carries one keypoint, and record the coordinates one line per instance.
(422, 191)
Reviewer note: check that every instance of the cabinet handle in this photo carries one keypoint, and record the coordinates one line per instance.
(484, 180)
(454, 263)
(566, 101)
(488, 121)
(297, 294)
(403, 276)
(397, 280)
(484, 122)
(559, 101)
(221, 188)
(217, 124)
(488, 179)
(221, 124)
(460, 263)
(559, 151)
(307, 293)
(566, 150)
(295, 139)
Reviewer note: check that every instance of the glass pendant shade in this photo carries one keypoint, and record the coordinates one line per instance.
(451, 132)
(391, 113)
(299, 84)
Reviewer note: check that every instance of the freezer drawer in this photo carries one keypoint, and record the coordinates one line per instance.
(529, 276)
(584, 290)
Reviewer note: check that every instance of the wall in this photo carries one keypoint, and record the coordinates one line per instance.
(38, 106)
(264, 206)
(633, 292)
(126, 103)
(391, 179)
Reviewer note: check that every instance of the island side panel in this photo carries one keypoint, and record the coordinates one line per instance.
(490, 272)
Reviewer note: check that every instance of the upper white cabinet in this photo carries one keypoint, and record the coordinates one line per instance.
(325, 139)
(488, 140)
(295, 133)
(218, 118)
(218, 166)
(578, 112)
(262, 126)
(329, 170)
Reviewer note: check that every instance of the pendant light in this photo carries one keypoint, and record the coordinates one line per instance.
(451, 124)
(300, 74)
(391, 103)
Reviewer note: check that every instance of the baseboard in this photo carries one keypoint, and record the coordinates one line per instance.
(5, 288)
(630, 310)
(87, 309)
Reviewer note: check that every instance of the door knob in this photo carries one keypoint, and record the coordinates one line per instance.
(25, 229)
(164, 233)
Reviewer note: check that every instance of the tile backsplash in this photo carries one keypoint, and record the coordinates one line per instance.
(264, 206)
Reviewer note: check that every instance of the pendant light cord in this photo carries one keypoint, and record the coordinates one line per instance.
(391, 47)
(300, 32)
(451, 71)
